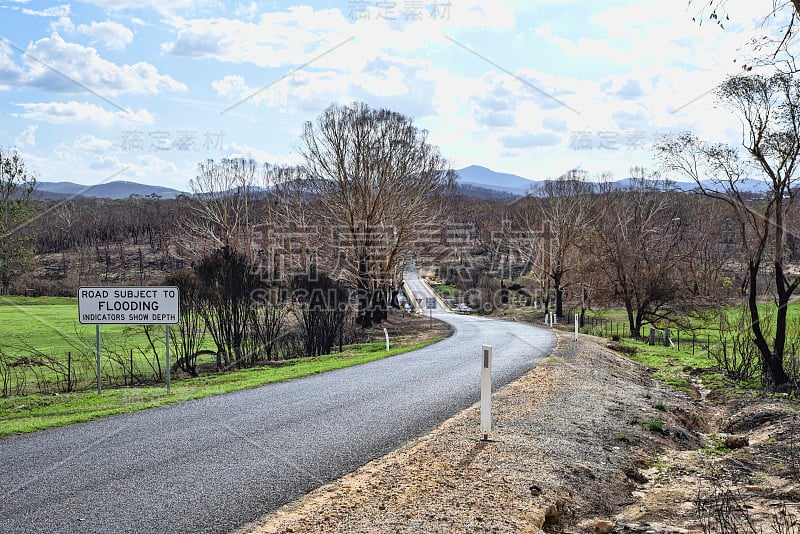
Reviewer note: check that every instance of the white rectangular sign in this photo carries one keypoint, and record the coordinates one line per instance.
(128, 305)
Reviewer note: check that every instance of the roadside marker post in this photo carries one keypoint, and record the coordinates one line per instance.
(486, 391)
(576, 326)
(386, 333)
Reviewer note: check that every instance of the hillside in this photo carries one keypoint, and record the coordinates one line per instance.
(112, 190)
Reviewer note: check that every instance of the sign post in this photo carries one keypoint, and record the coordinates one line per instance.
(99, 378)
(169, 369)
(486, 391)
(128, 305)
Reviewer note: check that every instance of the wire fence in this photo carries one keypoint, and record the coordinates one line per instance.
(686, 341)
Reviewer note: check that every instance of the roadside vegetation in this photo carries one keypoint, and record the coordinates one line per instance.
(37, 411)
(277, 263)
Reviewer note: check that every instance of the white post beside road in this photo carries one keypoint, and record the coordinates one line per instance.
(386, 333)
(576, 326)
(486, 391)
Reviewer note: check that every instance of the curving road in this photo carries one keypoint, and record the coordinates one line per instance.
(215, 464)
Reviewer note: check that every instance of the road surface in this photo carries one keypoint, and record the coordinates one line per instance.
(215, 464)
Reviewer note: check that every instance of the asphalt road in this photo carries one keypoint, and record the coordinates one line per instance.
(215, 464)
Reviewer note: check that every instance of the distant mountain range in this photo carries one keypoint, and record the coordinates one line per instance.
(111, 190)
(474, 181)
(483, 178)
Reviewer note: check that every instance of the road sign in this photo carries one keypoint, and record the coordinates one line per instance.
(430, 303)
(128, 305)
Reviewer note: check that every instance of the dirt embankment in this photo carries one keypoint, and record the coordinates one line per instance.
(586, 442)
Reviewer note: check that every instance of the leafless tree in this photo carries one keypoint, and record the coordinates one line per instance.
(636, 237)
(376, 174)
(769, 108)
(563, 213)
(774, 43)
(219, 212)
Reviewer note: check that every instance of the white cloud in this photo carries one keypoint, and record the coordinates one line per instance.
(62, 24)
(92, 144)
(405, 85)
(105, 163)
(248, 11)
(164, 7)
(26, 138)
(151, 166)
(59, 66)
(239, 150)
(10, 73)
(530, 140)
(71, 112)
(52, 11)
(277, 39)
(113, 35)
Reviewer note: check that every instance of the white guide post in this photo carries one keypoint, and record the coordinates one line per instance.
(576, 326)
(386, 333)
(486, 391)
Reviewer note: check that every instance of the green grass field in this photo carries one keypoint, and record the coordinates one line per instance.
(46, 327)
(50, 325)
(46, 331)
(693, 346)
(37, 412)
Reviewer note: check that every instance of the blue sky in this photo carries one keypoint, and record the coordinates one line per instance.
(143, 90)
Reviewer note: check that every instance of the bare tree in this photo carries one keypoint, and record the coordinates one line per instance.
(289, 233)
(774, 43)
(375, 173)
(188, 343)
(228, 282)
(563, 212)
(218, 213)
(637, 238)
(16, 187)
(769, 108)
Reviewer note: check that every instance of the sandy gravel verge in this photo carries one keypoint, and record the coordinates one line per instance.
(586, 442)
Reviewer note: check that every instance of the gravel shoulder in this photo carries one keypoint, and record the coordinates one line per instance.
(571, 440)
(586, 442)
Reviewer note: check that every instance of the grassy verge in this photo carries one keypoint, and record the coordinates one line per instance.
(673, 367)
(37, 412)
(690, 357)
